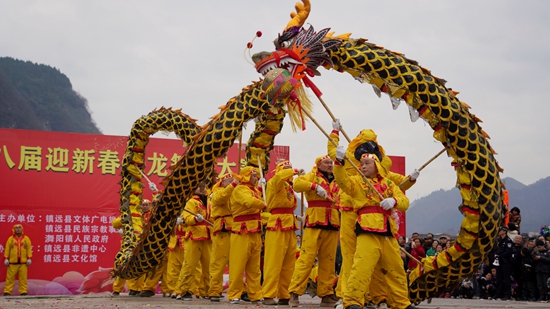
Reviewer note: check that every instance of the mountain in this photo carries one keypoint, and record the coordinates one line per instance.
(39, 97)
(438, 212)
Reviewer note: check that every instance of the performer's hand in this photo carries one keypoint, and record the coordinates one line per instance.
(321, 191)
(262, 182)
(414, 175)
(179, 220)
(301, 172)
(340, 152)
(336, 125)
(300, 218)
(28, 262)
(153, 187)
(199, 218)
(7, 262)
(387, 203)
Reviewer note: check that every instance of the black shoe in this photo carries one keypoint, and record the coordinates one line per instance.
(283, 302)
(146, 293)
(7, 294)
(244, 297)
(411, 307)
(23, 294)
(187, 296)
(133, 293)
(115, 293)
(354, 307)
(215, 299)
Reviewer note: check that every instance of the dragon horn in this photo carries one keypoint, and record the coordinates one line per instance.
(302, 12)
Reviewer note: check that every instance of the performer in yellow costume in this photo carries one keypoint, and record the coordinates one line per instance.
(364, 142)
(246, 242)
(161, 273)
(175, 255)
(198, 243)
(376, 244)
(321, 232)
(280, 236)
(134, 285)
(17, 257)
(221, 233)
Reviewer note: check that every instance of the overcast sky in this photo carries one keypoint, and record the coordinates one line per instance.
(130, 57)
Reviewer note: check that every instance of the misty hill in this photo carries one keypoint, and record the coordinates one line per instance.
(438, 212)
(39, 97)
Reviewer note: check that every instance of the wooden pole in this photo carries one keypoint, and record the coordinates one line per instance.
(194, 214)
(334, 119)
(410, 256)
(240, 150)
(423, 166)
(302, 215)
(345, 156)
(262, 175)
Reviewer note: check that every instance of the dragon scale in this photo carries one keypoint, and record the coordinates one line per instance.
(300, 52)
(456, 128)
(141, 254)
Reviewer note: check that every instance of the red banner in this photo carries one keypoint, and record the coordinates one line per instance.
(63, 188)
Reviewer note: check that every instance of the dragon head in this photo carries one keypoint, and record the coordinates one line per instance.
(300, 52)
(297, 50)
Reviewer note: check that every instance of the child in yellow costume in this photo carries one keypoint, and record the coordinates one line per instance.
(321, 232)
(246, 242)
(221, 233)
(364, 142)
(17, 257)
(198, 243)
(280, 237)
(376, 244)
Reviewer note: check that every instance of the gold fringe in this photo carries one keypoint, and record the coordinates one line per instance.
(294, 111)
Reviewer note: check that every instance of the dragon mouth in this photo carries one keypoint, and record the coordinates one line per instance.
(267, 61)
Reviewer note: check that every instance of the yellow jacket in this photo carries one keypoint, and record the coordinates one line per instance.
(246, 205)
(196, 230)
(281, 201)
(371, 217)
(320, 212)
(178, 235)
(221, 209)
(18, 249)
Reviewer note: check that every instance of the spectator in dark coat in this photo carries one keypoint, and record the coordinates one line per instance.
(488, 286)
(542, 269)
(528, 278)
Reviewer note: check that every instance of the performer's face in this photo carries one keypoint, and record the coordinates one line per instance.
(254, 178)
(18, 230)
(326, 166)
(368, 168)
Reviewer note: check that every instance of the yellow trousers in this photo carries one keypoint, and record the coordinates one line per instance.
(245, 257)
(137, 283)
(348, 240)
(320, 243)
(21, 271)
(195, 251)
(373, 250)
(279, 261)
(219, 260)
(175, 261)
(151, 283)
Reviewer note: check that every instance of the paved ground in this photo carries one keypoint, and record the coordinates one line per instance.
(125, 301)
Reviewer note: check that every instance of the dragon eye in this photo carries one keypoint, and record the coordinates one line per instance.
(285, 44)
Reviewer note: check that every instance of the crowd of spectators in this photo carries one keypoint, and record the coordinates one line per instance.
(518, 263)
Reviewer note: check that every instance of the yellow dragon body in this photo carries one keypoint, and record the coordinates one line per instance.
(300, 52)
